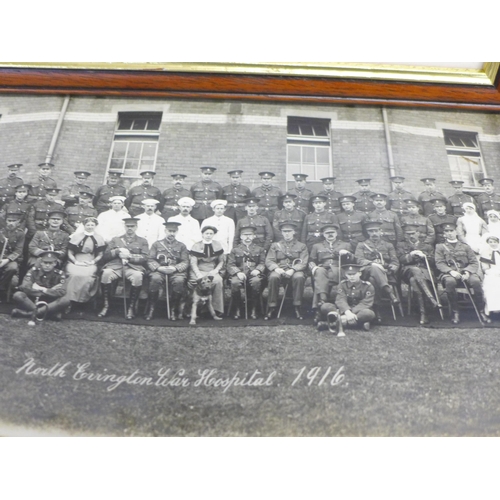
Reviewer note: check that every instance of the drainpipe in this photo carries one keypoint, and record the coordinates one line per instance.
(388, 142)
(55, 136)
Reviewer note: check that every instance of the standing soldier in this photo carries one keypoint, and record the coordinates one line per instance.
(235, 194)
(108, 190)
(268, 196)
(144, 191)
(203, 193)
(246, 265)
(168, 260)
(412, 254)
(44, 182)
(38, 214)
(302, 193)
(171, 196)
(426, 197)
(19, 204)
(289, 213)
(71, 193)
(125, 259)
(390, 229)
(8, 184)
(364, 202)
(440, 217)
(456, 200)
(489, 200)
(351, 222)
(264, 232)
(43, 291)
(332, 196)
(396, 198)
(11, 249)
(425, 229)
(76, 214)
(311, 230)
(286, 261)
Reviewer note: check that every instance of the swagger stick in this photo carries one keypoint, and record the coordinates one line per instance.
(440, 307)
(124, 283)
(167, 295)
(296, 261)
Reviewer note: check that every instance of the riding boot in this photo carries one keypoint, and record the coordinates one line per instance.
(153, 298)
(106, 293)
(173, 307)
(423, 286)
(134, 297)
(298, 314)
(270, 313)
(485, 317)
(392, 295)
(237, 310)
(322, 298)
(180, 308)
(423, 316)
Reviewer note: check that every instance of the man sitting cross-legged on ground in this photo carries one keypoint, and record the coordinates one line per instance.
(43, 291)
(246, 265)
(168, 259)
(353, 303)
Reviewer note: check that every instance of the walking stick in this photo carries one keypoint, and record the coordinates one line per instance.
(246, 298)
(4, 247)
(167, 295)
(124, 283)
(296, 261)
(440, 307)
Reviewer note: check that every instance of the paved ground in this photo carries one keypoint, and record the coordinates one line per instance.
(392, 381)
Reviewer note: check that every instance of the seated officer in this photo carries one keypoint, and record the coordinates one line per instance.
(353, 303)
(168, 259)
(286, 260)
(43, 291)
(457, 263)
(378, 260)
(412, 253)
(289, 213)
(11, 249)
(125, 255)
(246, 265)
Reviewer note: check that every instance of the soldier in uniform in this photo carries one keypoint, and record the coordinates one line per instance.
(332, 196)
(246, 265)
(144, 191)
(457, 263)
(390, 229)
(456, 200)
(426, 230)
(76, 214)
(8, 184)
(412, 254)
(268, 196)
(171, 196)
(44, 182)
(440, 217)
(426, 197)
(396, 198)
(303, 194)
(105, 192)
(351, 222)
(43, 291)
(354, 302)
(313, 222)
(235, 194)
(264, 232)
(364, 202)
(19, 204)
(71, 193)
(289, 213)
(11, 249)
(378, 260)
(324, 261)
(168, 260)
(286, 261)
(38, 214)
(489, 200)
(51, 238)
(203, 193)
(125, 255)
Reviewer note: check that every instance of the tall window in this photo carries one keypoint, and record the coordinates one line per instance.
(308, 148)
(464, 157)
(135, 144)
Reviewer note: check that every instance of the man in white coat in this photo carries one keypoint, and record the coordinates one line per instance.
(224, 225)
(111, 221)
(150, 225)
(189, 231)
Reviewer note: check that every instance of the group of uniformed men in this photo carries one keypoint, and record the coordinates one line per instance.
(278, 239)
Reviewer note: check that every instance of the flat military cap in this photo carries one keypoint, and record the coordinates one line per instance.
(410, 228)
(300, 177)
(50, 165)
(214, 203)
(48, 255)
(52, 190)
(86, 194)
(448, 225)
(288, 196)
(208, 169)
(456, 183)
(350, 199)
(119, 198)
(186, 200)
(397, 178)
(410, 202)
(114, 173)
(130, 221)
(486, 180)
(378, 196)
(23, 187)
(287, 224)
(247, 229)
(438, 202)
(351, 268)
(328, 179)
(232, 172)
(57, 211)
(206, 228)
(319, 197)
(15, 166)
(179, 176)
(150, 201)
(146, 172)
(363, 181)
(251, 201)
(13, 215)
(372, 224)
(328, 227)
(172, 225)
(82, 174)
(427, 179)
(267, 175)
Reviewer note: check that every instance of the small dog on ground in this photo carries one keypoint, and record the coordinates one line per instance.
(202, 294)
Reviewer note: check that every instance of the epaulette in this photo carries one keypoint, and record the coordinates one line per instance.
(58, 271)
(366, 282)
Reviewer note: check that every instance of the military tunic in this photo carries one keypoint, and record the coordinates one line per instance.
(303, 200)
(170, 198)
(390, 229)
(76, 214)
(436, 221)
(351, 227)
(137, 194)
(16, 206)
(13, 252)
(49, 239)
(425, 197)
(487, 202)
(104, 193)
(8, 188)
(396, 203)
(264, 235)
(269, 200)
(426, 230)
(364, 202)
(313, 223)
(356, 297)
(409, 262)
(245, 259)
(37, 191)
(70, 193)
(235, 196)
(203, 193)
(332, 201)
(295, 215)
(455, 202)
